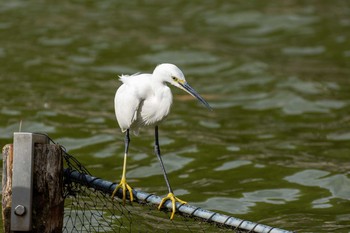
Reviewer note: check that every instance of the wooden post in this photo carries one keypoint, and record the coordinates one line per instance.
(48, 200)
(7, 157)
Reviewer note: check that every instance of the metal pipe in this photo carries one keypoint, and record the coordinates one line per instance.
(225, 220)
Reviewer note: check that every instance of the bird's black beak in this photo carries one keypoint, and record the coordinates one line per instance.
(194, 93)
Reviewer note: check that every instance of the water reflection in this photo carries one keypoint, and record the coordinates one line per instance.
(293, 104)
(232, 165)
(339, 136)
(181, 57)
(76, 143)
(250, 199)
(292, 95)
(254, 23)
(25, 126)
(172, 161)
(338, 185)
(304, 50)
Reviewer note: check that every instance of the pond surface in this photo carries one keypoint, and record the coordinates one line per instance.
(276, 148)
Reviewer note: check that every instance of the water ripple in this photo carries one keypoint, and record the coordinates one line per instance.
(293, 104)
(338, 185)
(27, 126)
(256, 23)
(250, 199)
(76, 143)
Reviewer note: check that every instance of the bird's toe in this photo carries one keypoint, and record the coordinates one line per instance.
(124, 186)
(173, 200)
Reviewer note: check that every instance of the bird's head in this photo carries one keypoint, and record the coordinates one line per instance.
(172, 74)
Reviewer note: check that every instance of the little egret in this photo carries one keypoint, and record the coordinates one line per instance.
(145, 100)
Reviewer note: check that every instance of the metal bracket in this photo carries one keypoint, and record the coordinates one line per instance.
(22, 179)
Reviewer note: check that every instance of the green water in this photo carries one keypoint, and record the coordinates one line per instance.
(276, 147)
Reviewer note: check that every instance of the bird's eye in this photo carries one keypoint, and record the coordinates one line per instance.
(174, 78)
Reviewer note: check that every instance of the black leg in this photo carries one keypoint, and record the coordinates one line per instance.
(170, 195)
(127, 141)
(157, 151)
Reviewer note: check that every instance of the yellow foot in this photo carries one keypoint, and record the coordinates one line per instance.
(124, 186)
(173, 199)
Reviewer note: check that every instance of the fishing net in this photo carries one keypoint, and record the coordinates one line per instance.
(89, 208)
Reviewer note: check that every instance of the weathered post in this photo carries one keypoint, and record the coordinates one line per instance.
(7, 157)
(32, 202)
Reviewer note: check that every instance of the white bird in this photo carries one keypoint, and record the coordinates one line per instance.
(145, 100)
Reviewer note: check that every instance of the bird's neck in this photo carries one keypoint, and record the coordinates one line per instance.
(158, 83)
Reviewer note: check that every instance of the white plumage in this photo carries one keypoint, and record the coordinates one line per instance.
(145, 100)
(142, 100)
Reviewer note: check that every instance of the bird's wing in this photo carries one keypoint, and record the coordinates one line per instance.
(126, 104)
